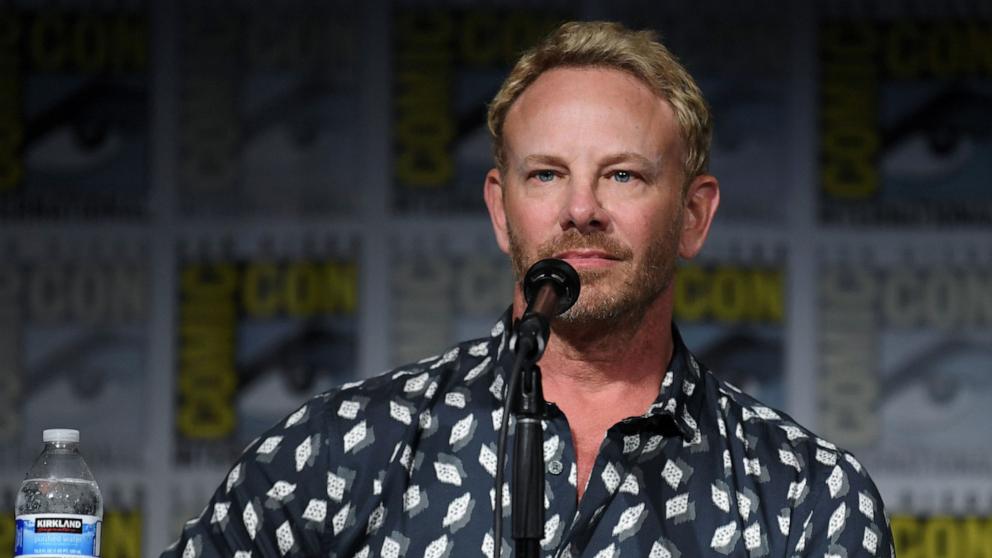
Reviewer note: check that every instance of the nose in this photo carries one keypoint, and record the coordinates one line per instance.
(582, 209)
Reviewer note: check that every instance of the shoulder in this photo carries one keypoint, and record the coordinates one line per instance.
(826, 498)
(784, 446)
(398, 397)
(425, 378)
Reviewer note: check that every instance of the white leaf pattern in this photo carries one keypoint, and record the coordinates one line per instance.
(220, 512)
(478, 370)
(335, 487)
(752, 536)
(280, 490)
(447, 473)
(233, 477)
(296, 417)
(461, 430)
(611, 479)
(630, 485)
(456, 509)
(302, 454)
(315, 511)
(355, 436)
(628, 518)
(487, 458)
(250, 520)
(269, 445)
(349, 409)
(837, 520)
(400, 413)
(721, 499)
(723, 535)
(284, 537)
(437, 547)
(340, 519)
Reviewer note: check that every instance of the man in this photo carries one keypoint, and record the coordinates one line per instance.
(601, 141)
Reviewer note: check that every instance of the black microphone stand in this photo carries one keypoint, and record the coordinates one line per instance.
(527, 490)
(550, 288)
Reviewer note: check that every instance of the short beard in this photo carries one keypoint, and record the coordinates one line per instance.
(638, 286)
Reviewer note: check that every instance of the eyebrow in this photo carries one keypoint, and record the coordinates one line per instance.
(630, 156)
(542, 160)
(616, 158)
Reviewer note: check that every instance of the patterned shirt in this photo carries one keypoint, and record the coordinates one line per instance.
(403, 464)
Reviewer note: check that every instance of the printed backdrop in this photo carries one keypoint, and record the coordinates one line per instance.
(210, 212)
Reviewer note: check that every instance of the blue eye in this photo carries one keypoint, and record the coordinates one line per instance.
(622, 176)
(545, 175)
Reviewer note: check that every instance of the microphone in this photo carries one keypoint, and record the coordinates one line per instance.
(551, 287)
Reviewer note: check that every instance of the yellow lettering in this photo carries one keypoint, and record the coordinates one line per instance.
(767, 295)
(976, 537)
(850, 147)
(341, 288)
(207, 378)
(299, 289)
(943, 50)
(425, 131)
(906, 536)
(7, 531)
(940, 538)
(690, 304)
(729, 294)
(849, 136)
(260, 294)
(729, 299)
(302, 289)
(121, 536)
(424, 127)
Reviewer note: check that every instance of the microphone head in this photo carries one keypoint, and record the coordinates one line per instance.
(561, 275)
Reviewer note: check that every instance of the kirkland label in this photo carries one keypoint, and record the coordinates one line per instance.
(62, 535)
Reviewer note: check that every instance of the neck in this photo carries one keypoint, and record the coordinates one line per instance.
(626, 355)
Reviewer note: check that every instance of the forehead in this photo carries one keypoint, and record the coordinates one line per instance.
(588, 111)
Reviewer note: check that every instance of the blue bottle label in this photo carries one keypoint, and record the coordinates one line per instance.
(57, 535)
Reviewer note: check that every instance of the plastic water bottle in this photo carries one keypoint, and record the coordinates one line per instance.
(59, 509)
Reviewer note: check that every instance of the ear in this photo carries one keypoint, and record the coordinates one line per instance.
(492, 192)
(701, 201)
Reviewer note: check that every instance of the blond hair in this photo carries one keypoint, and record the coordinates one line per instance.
(611, 45)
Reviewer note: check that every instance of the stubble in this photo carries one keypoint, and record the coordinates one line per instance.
(609, 298)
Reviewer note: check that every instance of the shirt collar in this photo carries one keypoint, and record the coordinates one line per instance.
(680, 395)
(678, 401)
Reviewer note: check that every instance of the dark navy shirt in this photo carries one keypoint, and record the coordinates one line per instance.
(403, 464)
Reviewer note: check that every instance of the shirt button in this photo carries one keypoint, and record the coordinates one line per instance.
(555, 467)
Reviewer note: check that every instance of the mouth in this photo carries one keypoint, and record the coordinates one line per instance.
(587, 259)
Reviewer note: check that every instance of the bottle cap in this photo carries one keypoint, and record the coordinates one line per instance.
(60, 435)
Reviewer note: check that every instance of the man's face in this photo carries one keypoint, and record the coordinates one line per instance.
(593, 176)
